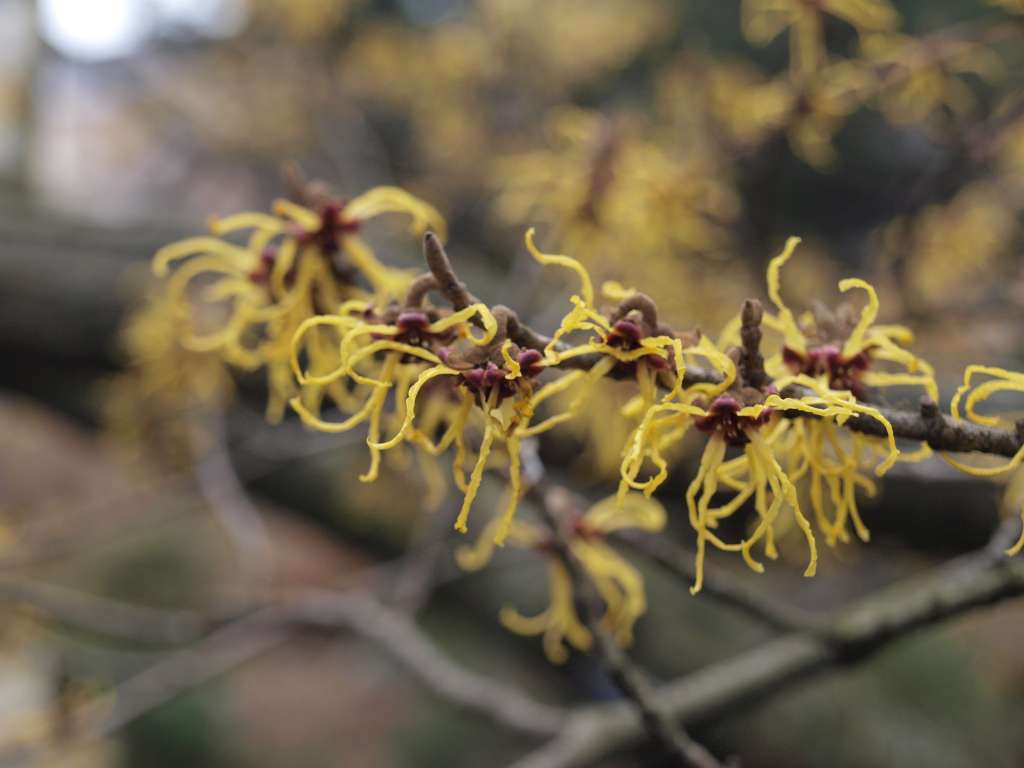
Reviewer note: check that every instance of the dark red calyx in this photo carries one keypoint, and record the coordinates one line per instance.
(844, 373)
(333, 224)
(723, 419)
(487, 378)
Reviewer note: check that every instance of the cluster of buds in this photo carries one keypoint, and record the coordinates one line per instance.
(495, 373)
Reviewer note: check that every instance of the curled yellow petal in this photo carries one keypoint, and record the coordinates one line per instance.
(385, 199)
(791, 332)
(855, 341)
(560, 260)
(304, 217)
(463, 315)
(410, 404)
(514, 490)
(245, 220)
(634, 511)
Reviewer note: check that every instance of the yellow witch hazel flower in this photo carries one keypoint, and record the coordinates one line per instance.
(764, 20)
(604, 186)
(423, 353)
(744, 412)
(630, 342)
(921, 77)
(840, 348)
(997, 380)
(829, 353)
(618, 583)
(378, 350)
(295, 263)
(162, 383)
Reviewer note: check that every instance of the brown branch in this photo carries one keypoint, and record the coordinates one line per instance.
(267, 628)
(556, 506)
(519, 332)
(448, 282)
(418, 290)
(400, 637)
(941, 432)
(102, 616)
(224, 492)
(642, 304)
(853, 636)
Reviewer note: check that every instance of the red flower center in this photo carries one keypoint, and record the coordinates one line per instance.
(828, 360)
(723, 419)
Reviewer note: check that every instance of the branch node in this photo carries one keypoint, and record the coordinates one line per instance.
(418, 290)
(644, 305)
(929, 409)
(440, 265)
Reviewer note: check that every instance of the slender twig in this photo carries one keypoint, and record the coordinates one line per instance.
(853, 636)
(418, 290)
(942, 433)
(399, 636)
(184, 670)
(441, 267)
(269, 627)
(222, 489)
(103, 616)
(555, 506)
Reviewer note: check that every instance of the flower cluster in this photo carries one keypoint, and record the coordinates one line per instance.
(245, 301)
(434, 361)
(779, 403)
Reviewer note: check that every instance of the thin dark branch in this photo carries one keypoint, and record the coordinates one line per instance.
(855, 635)
(448, 282)
(941, 432)
(555, 506)
(267, 628)
(400, 637)
(224, 492)
(418, 290)
(102, 616)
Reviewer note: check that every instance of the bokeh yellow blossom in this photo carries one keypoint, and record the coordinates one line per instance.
(617, 582)
(294, 264)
